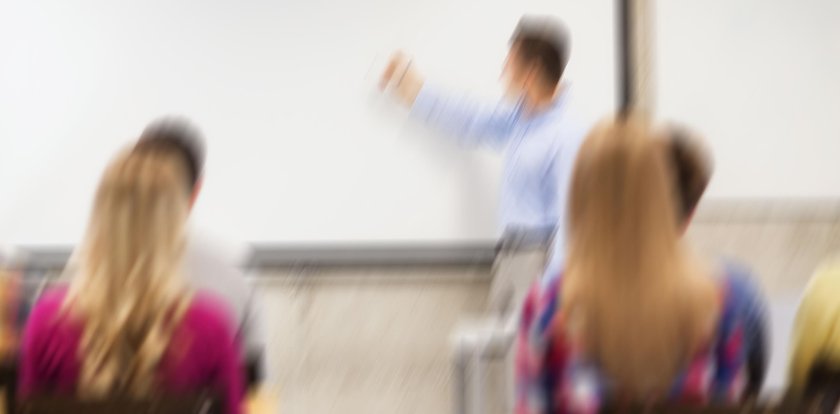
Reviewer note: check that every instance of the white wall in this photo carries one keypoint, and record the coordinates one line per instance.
(301, 147)
(759, 78)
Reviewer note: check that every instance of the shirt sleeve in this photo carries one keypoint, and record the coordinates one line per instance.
(469, 122)
(531, 396)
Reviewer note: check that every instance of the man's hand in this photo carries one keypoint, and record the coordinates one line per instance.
(402, 77)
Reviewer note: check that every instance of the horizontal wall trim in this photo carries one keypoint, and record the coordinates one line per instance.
(317, 255)
(266, 255)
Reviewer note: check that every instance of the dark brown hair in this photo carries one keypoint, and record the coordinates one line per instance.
(692, 167)
(179, 136)
(544, 41)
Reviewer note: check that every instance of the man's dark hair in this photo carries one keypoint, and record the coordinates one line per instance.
(692, 168)
(544, 41)
(179, 136)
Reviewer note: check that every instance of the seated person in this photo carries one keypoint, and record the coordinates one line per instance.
(691, 171)
(129, 324)
(205, 264)
(635, 317)
(816, 334)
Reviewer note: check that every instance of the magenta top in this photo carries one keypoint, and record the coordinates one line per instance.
(203, 354)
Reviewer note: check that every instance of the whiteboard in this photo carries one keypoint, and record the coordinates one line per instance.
(759, 79)
(301, 146)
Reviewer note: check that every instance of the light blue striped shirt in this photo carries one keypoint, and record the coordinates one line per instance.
(539, 153)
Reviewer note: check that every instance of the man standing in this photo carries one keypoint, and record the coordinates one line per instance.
(536, 135)
(538, 138)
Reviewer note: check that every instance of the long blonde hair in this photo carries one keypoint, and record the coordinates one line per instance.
(639, 304)
(128, 291)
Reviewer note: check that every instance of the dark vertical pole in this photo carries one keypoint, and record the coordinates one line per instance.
(624, 52)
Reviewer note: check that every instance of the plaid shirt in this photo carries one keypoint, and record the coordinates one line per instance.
(551, 377)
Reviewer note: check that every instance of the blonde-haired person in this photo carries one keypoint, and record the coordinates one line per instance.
(128, 324)
(815, 344)
(635, 317)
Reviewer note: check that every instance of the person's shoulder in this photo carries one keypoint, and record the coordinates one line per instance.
(740, 280)
(740, 305)
(735, 269)
(48, 306)
(204, 333)
(50, 325)
(209, 313)
(820, 294)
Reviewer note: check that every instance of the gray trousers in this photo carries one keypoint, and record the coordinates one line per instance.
(514, 271)
(483, 351)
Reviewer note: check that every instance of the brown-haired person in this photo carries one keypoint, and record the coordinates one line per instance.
(129, 324)
(635, 316)
(205, 266)
(535, 130)
(691, 170)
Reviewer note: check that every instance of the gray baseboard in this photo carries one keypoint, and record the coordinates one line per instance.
(268, 255)
(319, 255)
(405, 254)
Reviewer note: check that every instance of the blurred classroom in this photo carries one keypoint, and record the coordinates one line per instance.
(368, 242)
